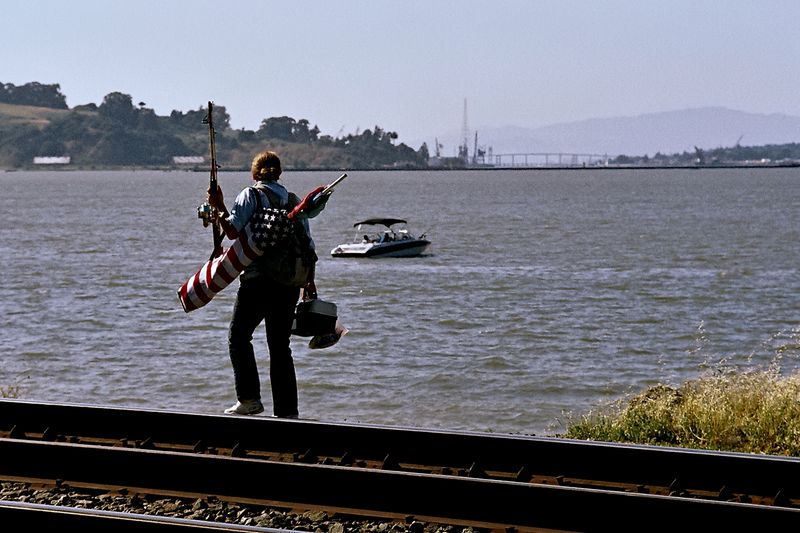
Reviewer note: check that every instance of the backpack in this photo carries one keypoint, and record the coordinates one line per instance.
(289, 257)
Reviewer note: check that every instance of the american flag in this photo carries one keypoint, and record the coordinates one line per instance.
(266, 229)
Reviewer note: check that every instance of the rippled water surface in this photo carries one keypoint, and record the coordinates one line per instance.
(544, 292)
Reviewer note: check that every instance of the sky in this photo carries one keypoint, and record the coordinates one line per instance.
(408, 66)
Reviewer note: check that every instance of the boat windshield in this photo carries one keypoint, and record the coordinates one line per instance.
(388, 222)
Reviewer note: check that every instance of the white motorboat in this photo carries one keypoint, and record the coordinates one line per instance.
(390, 242)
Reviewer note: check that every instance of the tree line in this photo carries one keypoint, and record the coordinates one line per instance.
(33, 94)
(773, 154)
(119, 132)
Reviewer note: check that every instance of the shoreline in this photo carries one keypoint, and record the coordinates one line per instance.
(414, 169)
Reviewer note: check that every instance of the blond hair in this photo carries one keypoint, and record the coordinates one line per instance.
(266, 166)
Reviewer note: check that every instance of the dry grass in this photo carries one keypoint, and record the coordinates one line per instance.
(22, 114)
(754, 412)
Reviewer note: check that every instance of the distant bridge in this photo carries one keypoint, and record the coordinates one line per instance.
(547, 159)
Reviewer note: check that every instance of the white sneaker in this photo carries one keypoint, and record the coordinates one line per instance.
(246, 407)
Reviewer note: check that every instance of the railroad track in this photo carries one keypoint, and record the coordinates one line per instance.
(55, 518)
(486, 481)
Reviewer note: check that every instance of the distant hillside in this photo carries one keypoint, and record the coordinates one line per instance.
(668, 132)
(94, 140)
(36, 126)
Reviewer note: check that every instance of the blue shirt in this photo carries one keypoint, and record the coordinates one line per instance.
(245, 204)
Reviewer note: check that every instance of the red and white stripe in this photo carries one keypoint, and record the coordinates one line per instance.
(219, 272)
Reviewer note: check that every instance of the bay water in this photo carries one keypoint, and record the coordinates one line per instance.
(545, 293)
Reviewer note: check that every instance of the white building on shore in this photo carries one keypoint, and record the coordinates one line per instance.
(52, 160)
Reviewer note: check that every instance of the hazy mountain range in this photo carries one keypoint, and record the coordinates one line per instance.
(667, 132)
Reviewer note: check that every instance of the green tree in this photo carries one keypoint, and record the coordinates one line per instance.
(277, 128)
(303, 134)
(423, 153)
(33, 94)
(192, 120)
(118, 107)
(246, 135)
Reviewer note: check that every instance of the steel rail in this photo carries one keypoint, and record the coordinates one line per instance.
(523, 505)
(771, 479)
(37, 516)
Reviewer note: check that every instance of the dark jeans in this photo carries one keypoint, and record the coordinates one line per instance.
(263, 299)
